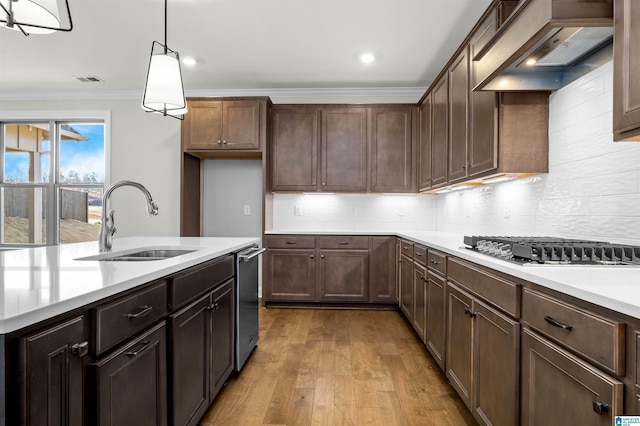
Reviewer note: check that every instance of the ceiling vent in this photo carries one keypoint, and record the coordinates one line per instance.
(89, 79)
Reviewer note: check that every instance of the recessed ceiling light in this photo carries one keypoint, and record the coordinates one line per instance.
(531, 61)
(189, 61)
(367, 58)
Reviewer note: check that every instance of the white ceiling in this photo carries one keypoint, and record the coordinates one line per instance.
(251, 45)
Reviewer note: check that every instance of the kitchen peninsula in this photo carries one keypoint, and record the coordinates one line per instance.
(72, 327)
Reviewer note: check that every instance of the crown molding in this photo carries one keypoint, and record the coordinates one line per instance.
(305, 95)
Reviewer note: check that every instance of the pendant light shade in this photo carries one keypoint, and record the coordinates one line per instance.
(163, 90)
(35, 16)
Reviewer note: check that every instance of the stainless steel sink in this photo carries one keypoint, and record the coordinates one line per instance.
(144, 255)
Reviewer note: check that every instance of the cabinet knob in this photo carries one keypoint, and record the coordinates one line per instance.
(464, 166)
(600, 407)
(435, 262)
(219, 141)
(213, 307)
(224, 142)
(80, 349)
(322, 256)
(469, 312)
(312, 257)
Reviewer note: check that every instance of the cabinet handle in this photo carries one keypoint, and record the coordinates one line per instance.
(144, 310)
(343, 242)
(469, 312)
(406, 248)
(555, 323)
(435, 262)
(600, 407)
(419, 254)
(80, 349)
(139, 351)
(290, 242)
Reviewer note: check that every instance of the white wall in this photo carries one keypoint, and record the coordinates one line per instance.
(592, 189)
(144, 148)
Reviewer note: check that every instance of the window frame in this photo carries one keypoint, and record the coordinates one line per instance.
(53, 187)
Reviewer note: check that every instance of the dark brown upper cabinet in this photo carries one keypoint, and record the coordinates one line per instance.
(424, 143)
(391, 149)
(343, 151)
(229, 124)
(294, 149)
(626, 78)
(440, 131)
(458, 117)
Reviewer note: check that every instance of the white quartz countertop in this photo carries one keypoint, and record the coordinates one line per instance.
(613, 287)
(39, 283)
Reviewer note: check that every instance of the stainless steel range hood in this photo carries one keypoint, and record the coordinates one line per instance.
(546, 44)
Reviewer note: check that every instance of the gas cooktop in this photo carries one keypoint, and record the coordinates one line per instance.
(554, 251)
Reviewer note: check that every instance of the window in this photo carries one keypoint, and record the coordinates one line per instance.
(52, 177)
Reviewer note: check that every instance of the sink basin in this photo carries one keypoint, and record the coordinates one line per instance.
(140, 255)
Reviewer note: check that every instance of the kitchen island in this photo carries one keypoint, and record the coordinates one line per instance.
(77, 334)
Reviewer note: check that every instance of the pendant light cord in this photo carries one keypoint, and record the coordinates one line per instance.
(165, 27)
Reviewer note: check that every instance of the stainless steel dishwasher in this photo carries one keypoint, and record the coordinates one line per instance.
(247, 325)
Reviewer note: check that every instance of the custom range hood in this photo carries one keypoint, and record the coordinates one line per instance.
(545, 45)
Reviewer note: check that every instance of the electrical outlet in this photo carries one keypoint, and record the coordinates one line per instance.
(353, 211)
(297, 211)
(247, 210)
(507, 210)
(402, 211)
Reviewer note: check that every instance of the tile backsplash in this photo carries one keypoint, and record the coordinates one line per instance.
(592, 189)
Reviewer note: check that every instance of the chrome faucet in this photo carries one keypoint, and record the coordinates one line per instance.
(108, 226)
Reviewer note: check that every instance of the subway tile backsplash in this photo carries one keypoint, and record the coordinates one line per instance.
(592, 189)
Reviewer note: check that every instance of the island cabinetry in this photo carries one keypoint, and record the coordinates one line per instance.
(580, 352)
(391, 149)
(200, 340)
(435, 332)
(626, 81)
(483, 342)
(52, 367)
(329, 269)
(225, 124)
(131, 384)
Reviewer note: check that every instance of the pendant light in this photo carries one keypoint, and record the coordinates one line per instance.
(163, 90)
(35, 16)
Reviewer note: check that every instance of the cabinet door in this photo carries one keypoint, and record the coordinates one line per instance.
(344, 275)
(131, 383)
(458, 110)
(202, 126)
(424, 144)
(459, 344)
(483, 141)
(343, 162)
(391, 150)
(382, 270)
(189, 346)
(406, 287)
(436, 308)
(440, 132)
(52, 382)
(558, 388)
(222, 337)
(241, 124)
(294, 149)
(626, 79)
(496, 367)
(290, 275)
(419, 299)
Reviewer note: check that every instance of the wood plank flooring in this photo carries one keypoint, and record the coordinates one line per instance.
(338, 367)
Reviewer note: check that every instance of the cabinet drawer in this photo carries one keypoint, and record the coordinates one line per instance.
(420, 254)
(406, 248)
(437, 262)
(343, 242)
(118, 320)
(494, 289)
(599, 339)
(185, 287)
(290, 241)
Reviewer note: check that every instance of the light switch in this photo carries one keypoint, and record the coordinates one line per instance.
(247, 210)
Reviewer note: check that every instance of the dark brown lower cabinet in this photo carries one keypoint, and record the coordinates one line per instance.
(406, 287)
(344, 275)
(53, 379)
(436, 320)
(419, 299)
(222, 337)
(291, 275)
(382, 269)
(482, 358)
(559, 388)
(131, 382)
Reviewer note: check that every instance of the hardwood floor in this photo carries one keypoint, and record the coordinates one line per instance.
(338, 367)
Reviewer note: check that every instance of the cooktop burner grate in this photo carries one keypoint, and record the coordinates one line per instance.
(554, 251)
